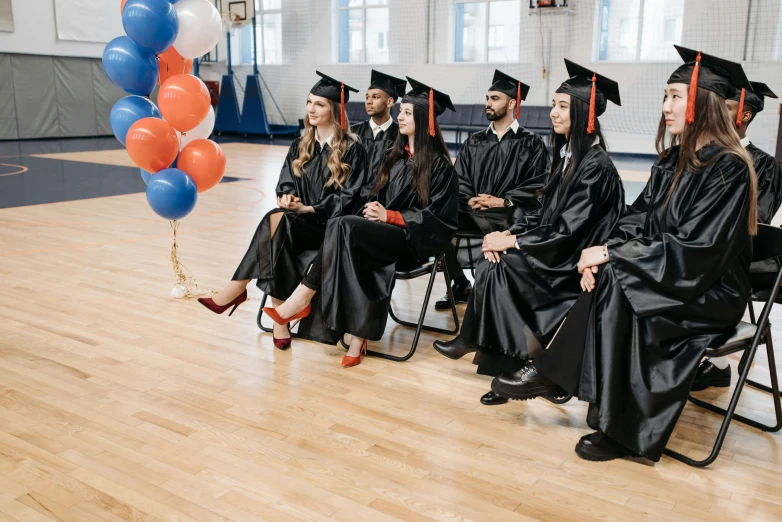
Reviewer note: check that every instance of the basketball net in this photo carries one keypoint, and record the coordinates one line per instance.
(230, 21)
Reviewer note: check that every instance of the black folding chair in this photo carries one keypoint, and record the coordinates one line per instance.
(468, 236)
(746, 338)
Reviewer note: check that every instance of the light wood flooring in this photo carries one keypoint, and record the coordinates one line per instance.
(119, 403)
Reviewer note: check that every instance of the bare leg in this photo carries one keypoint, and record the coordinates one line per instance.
(355, 346)
(280, 330)
(230, 292)
(297, 302)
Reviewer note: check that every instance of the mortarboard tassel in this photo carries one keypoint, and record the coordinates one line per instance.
(518, 100)
(431, 113)
(592, 95)
(741, 108)
(342, 115)
(693, 92)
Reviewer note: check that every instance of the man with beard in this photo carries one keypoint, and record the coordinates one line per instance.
(501, 169)
(715, 372)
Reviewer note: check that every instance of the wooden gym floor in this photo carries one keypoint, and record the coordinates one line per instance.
(118, 402)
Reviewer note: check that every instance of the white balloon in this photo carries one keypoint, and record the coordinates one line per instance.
(202, 131)
(200, 27)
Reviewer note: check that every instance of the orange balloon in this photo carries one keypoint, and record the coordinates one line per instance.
(204, 161)
(152, 144)
(122, 5)
(171, 63)
(184, 101)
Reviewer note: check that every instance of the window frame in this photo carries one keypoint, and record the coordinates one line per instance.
(363, 9)
(486, 28)
(260, 60)
(603, 12)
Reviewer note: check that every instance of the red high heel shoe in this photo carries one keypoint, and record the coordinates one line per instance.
(349, 361)
(272, 312)
(218, 309)
(281, 344)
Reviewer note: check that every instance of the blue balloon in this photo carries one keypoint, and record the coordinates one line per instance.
(172, 194)
(128, 111)
(152, 24)
(130, 67)
(145, 176)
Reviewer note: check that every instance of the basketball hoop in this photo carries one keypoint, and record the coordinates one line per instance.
(230, 21)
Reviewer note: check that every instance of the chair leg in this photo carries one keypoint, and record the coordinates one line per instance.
(449, 290)
(747, 358)
(469, 256)
(751, 310)
(260, 316)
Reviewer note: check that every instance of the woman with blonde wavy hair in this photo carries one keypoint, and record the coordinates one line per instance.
(672, 280)
(321, 179)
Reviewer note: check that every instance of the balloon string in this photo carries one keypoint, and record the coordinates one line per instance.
(180, 279)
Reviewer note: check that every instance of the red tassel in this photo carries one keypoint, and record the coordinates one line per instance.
(431, 113)
(693, 92)
(342, 115)
(592, 95)
(741, 108)
(518, 100)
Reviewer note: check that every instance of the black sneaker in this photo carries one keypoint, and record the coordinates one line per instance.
(460, 294)
(709, 376)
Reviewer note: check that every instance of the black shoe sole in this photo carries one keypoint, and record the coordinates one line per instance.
(550, 390)
(493, 403)
(721, 383)
(447, 306)
(444, 354)
(594, 456)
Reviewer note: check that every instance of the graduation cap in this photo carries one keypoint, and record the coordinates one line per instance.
(712, 73)
(754, 98)
(335, 91)
(428, 98)
(394, 87)
(511, 87)
(591, 88)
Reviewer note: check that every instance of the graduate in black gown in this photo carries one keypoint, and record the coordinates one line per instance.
(528, 280)
(321, 179)
(379, 132)
(715, 371)
(501, 169)
(410, 217)
(672, 281)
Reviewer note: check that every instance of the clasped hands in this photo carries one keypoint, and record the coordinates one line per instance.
(374, 211)
(495, 243)
(591, 258)
(484, 201)
(291, 202)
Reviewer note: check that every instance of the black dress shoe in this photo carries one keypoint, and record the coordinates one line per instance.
(599, 448)
(454, 349)
(593, 419)
(460, 295)
(492, 399)
(524, 384)
(709, 376)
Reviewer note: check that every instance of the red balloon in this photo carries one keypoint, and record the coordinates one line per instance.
(152, 144)
(171, 63)
(184, 101)
(204, 161)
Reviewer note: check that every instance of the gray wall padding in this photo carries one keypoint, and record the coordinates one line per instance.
(54, 97)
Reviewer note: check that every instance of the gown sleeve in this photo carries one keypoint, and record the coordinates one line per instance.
(669, 269)
(431, 227)
(536, 165)
(462, 167)
(769, 187)
(349, 198)
(286, 184)
(553, 249)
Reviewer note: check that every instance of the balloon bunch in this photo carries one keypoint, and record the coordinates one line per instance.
(168, 143)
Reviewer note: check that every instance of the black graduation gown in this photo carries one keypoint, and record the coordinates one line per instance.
(279, 263)
(769, 201)
(514, 167)
(677, 282)
(520, 301)
(376, 147)
(359, 256)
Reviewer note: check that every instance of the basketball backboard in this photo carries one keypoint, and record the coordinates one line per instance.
(238, 12)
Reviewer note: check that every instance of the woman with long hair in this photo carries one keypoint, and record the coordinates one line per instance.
(528, 280)
(321, 179)
(672, 280)
(411, 215)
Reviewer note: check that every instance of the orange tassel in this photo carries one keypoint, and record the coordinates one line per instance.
(518, 100)
(592, 95)
(342, 115)
(741, 108)
(431, 113)
(693, 92)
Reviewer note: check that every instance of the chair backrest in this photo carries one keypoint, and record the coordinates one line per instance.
(767, 244)
(356, 112)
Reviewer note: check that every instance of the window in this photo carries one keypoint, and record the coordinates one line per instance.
(363, 31)
(640, 29)
(487, 31)
(268, 35)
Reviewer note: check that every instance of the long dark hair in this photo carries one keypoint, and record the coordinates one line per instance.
(713, 121)
(580, 143)
(427, 149)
